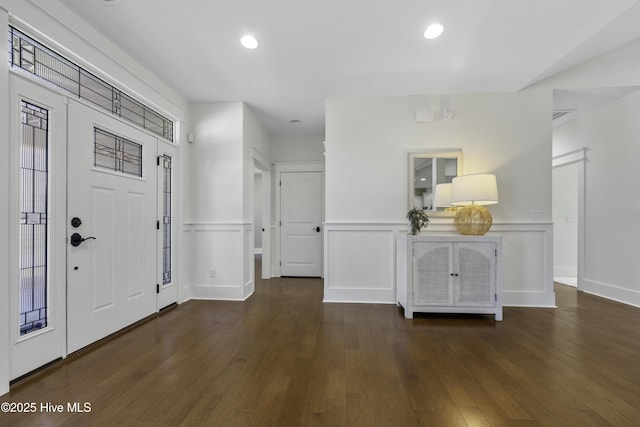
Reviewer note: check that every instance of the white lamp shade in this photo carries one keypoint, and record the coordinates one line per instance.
(442, 196)
(474, 189)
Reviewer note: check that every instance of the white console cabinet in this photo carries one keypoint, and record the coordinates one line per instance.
(449, 274)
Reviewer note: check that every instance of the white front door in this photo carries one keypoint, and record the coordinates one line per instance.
(37, 149)
(111, 225)
(301, 213)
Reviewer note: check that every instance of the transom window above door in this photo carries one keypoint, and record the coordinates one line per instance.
(29, 56)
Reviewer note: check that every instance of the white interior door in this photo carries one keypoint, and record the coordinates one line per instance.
(301, 213)
(565, 202)
(112, 191)
(37, 275)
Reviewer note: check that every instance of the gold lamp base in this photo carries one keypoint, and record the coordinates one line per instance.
(473, 220)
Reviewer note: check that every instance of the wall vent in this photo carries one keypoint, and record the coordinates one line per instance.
(556, 114)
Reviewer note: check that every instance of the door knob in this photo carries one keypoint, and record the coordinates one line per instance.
(76, 239)
(317, 229)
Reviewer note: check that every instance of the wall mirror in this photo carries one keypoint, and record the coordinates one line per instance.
(426, 170)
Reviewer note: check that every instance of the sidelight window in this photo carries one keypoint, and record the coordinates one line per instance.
(166, 219)
(34, 212)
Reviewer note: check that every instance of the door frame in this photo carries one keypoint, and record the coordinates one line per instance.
(24, 88)
(261, 163)
(579, 157)
(5, 245)
(281, 168)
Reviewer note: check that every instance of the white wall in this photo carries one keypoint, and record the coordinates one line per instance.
(367, 141)
(256, 145)
(215, 228)
(611, 170)
(227, 140)
(297, 149)
(216, 163)
(612, 201)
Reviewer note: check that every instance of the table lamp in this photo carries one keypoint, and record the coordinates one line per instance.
(472, 192)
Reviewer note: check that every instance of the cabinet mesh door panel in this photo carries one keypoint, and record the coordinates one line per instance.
(476, 275)
(431, 274)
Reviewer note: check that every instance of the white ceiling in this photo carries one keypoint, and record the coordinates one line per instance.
(311, 51)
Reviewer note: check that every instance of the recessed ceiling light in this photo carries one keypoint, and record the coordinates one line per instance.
(249, 41)
(295, 122)
(433, 31)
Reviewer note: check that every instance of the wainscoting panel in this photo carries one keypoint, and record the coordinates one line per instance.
(187, 265)
(218, 261)
(249, 256)
(361, 261)
(527, 250)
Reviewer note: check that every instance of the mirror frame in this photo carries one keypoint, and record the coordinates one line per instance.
(453, 153)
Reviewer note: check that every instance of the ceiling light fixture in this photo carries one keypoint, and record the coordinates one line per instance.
(249, 41)
(433, 31)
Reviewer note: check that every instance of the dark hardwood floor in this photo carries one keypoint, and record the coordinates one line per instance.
(283, 358)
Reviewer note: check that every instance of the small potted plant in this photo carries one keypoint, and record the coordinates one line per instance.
(418, 219)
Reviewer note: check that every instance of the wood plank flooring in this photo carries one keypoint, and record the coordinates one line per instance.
(283, 358)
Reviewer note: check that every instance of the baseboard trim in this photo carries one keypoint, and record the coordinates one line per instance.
(614, 293)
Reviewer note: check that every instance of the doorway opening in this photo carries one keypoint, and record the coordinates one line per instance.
(261, 216)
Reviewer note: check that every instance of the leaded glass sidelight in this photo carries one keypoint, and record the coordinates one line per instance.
(34, 212)
(166, 219)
